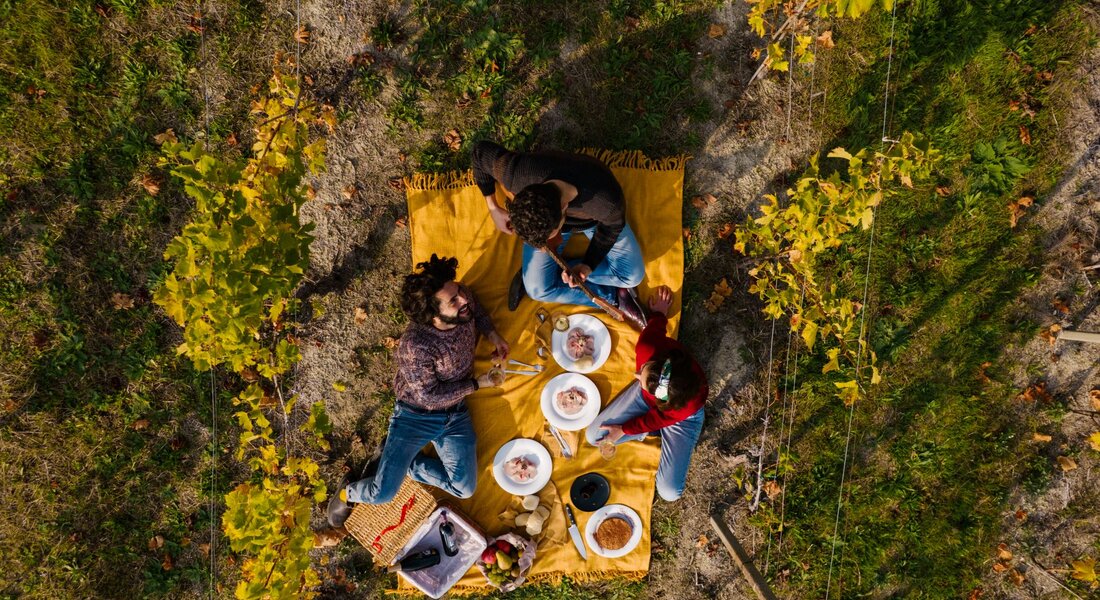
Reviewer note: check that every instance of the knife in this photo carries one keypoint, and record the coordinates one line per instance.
(575, 533)
(566, 451)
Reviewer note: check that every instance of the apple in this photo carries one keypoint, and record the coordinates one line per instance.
(504, 546)
(489, 556)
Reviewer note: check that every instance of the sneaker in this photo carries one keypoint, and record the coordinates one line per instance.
(516, 291)
(631, 307)
(338, 508)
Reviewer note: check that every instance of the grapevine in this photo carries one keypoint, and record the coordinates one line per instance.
(794, 241)
(235, 267)
(795, 24)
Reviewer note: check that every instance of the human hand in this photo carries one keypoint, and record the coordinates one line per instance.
(576, 275)
(614, 432)
(661, 300)
(502, 221)
(501, 353)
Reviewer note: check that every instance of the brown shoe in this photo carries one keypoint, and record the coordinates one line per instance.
(631, 307)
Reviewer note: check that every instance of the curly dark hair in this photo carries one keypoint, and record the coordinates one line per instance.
(683, 383)
(418, 299)
(536, 212)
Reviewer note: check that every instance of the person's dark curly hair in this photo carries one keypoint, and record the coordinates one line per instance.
(536, 212)
(418, 299)
(683, 382)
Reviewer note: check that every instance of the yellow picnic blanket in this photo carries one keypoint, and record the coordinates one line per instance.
(447, 216)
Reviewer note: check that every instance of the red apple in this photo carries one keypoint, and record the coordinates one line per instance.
(489, 556)
(504, 546)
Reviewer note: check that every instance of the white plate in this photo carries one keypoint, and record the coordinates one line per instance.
(523, 447)
(613, 510)
(601, 339)
(586, 415)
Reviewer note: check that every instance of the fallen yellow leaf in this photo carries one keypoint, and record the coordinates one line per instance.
(1003, 553)
(1040, 437)
(1094, 441)
(1066, 463)
(1084, 570)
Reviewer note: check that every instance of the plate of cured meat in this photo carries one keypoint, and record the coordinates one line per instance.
(522, 467)
(584, 346)
(570, 401)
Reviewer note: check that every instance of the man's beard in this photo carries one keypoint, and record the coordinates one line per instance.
(458, 319)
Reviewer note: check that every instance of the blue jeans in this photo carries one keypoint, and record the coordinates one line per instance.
(622, 268)
(677, 440)
(455, 471)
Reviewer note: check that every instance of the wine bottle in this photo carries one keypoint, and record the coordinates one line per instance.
(447, 536)
(415, 562)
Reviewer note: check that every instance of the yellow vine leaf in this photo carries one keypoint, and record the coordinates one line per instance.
(1084, 570)
(1094, 441)
(809, 334)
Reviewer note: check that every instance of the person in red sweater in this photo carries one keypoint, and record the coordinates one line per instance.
(666, 398)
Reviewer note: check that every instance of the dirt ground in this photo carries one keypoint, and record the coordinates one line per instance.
(361, 250)
(1048, 529)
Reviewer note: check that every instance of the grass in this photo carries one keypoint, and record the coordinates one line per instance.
(936, 450)
(103, 429)
(491, 75)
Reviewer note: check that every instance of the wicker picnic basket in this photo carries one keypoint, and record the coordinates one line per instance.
(384, 529)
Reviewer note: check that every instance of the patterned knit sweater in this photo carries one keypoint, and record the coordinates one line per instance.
(434, 367)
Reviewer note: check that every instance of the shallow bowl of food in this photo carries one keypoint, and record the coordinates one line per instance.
(570, 401)
(522, 467)
(584, 347)
(613, 531)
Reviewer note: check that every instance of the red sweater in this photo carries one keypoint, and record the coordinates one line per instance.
(652, 341)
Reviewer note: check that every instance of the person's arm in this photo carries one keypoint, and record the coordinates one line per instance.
(653, 419)
(417, 365)
(484, 324)
(485, 158)
(610, 221)
(651, 340)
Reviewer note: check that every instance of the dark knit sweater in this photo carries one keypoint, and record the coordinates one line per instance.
(434, 366)
(599, 198)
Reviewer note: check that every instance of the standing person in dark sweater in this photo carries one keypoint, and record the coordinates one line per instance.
(555, 196)
(667, 399)
(435, 359)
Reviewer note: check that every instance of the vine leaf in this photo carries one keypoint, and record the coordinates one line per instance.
(1094, 441)
(825, 40)
(1094, 397)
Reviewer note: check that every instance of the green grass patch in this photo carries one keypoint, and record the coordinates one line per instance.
(936, 450)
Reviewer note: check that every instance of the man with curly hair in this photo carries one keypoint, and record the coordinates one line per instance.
(557, 195)
(435, 360)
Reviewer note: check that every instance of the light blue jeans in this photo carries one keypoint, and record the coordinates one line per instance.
(455, 471)
(677, 440)
(622, 268)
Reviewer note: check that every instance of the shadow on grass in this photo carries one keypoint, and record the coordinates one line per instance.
(936, 451)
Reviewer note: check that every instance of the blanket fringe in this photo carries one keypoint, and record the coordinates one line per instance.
(452, 180)
(636, 159)
(624, 159)
(551, 579)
